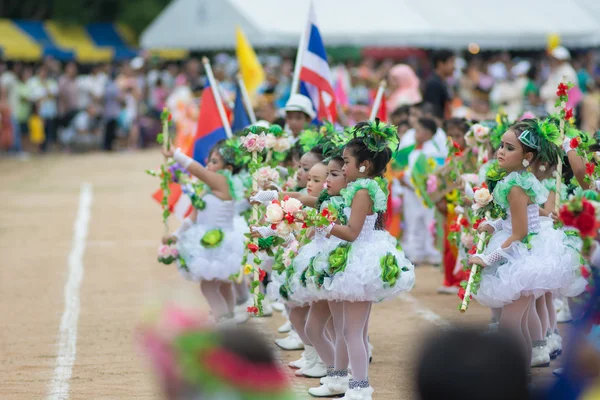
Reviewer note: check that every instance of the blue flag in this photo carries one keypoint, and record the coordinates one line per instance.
(241, 119)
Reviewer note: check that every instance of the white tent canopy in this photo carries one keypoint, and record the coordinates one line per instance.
(514, 24)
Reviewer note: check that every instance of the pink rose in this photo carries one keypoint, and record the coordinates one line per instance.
(432, 184)
(291, 205)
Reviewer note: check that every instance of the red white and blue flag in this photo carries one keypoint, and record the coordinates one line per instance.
(315, 76)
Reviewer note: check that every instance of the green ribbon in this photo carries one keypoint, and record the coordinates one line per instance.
(390, 271)
(527, 240)
(338, 259)
(212, 238)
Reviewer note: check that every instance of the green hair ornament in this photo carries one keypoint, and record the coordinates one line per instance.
(377, 135)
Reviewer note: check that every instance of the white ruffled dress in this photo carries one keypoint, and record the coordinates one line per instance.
(369, 269)
(213, 247)
(532, 267)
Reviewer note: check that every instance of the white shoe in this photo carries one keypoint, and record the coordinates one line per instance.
(306, 360)
(277, 306)
(285, 328)
(333, 386)
(564, 315)
(240, 316)
(292, 342)
(555, 345)
(448, 290)
(540, 357)
(359, 394)
(318, 370)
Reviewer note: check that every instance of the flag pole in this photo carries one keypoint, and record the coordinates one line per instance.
(377, 102)
(217, 96)
(300, 54)
(246, 99)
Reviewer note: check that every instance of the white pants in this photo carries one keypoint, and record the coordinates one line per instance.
(418, 243)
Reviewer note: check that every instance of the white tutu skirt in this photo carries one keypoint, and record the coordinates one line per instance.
(274, 286)
(364, 277)
(547, 266)
(217, 263)
(301, 282)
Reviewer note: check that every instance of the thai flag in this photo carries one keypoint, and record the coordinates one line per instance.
(210, 128)
(315, 76)
(209, 131)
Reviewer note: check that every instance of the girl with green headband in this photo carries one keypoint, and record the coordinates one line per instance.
(522, 261)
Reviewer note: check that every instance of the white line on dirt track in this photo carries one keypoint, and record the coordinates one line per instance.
(423, 312)
(67, 346)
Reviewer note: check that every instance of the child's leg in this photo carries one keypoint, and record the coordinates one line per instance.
(551, 312)
(496, 315)
(298, 319)
(228, 295)
(341, 350)
(330, 329)
(542, 311)
(315, 331)
(356, 316)
(212, 291)
(514, 318)
(241, 291)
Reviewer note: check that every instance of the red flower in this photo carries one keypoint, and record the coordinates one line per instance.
(455, 145)
(477, 223)
(170, 117)
(562, 90)
(473, 250)
(568, 113)
(455, 228)
(261, 274)
(485, 160)
(325, 212)
(585, 222)
(286, 198)
(304, 226)
(574, 143)
(566, 216)
(252, 310)
(253, 247)
(459, 154)
(589, 168)
(464, 222)
(289, 218)
(584, 272)
(484, 185)
(275, 202)
(461, 293)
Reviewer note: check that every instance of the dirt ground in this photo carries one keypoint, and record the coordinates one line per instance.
(39, 207)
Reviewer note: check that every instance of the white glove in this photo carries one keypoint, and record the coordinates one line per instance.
(182, 159)
(265, 231)
(185, 225)
(265, 197)
(567, 145)
(469, 191)
(497, 255)
(496, 224)
(325, 230)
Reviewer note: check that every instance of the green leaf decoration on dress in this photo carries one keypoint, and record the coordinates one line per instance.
(377, 195)
(183, 264)
(234, 190)
(377, 135)
(323, 197)
(550, 184)
(212, 239)
(278, 265)
(494, 174)
(527, 240)
(284, 291)
(338, 258)
(390, 271)
(526, 181)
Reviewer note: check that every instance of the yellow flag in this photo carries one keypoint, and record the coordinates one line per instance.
(252, 71)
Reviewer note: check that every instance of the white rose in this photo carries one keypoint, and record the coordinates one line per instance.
(274, 213)
(282, 144)
(481, 133)
(270, 141)
(466, 240)
(291, 205)
(470, 140)
(261, 142)
(483, 197)
(283, 229)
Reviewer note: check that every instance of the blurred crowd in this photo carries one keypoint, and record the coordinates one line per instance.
(53, 106)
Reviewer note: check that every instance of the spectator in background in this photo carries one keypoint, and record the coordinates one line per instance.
(436, 88)
(98, 80)
(469, 365)
(83, 133)
(37, 135)
(509, 94)
(112, 108)
(23, 110)
(159, 97)
(560, 71)
(43, 91)
(9, 81)
(404, 87)
(6, 125)
(68, 93)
